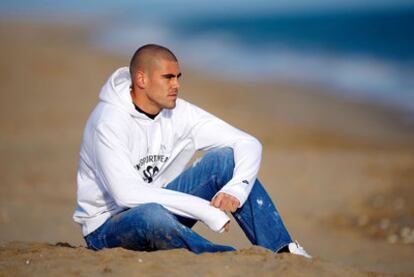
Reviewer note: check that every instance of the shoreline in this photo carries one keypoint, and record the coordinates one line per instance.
(324, 161)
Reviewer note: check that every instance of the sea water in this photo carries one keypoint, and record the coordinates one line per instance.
(363, 53)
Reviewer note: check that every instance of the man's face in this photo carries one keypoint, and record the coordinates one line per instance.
(163, 85)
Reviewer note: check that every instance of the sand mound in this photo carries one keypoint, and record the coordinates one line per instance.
(39, 259)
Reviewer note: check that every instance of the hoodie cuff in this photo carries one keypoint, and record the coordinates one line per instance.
(217, 220)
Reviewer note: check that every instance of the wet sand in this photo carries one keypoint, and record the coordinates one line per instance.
(341, 173)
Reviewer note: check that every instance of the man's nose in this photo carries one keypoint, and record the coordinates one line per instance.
(176, 83)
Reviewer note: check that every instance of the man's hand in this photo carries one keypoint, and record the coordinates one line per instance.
(227, 227)
(225, 202)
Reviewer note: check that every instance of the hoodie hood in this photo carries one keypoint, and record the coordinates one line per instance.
(116, 91)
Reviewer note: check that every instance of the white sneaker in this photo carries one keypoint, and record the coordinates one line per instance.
(296, 249)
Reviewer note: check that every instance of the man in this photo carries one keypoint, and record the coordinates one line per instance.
(133, 188)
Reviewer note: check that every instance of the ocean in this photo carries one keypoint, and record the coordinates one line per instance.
(366, 54)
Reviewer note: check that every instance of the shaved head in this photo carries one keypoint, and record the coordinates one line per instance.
(147, 57)
(154, 73)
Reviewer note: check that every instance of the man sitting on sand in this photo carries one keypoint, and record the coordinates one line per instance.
(133, 189)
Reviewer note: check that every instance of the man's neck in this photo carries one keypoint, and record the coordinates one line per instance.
(152, 116)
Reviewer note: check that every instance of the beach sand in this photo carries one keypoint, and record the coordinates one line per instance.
(341, 173)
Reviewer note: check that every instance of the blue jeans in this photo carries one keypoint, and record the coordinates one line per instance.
(150, 227)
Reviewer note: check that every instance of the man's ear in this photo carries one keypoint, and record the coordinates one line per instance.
(140, 79)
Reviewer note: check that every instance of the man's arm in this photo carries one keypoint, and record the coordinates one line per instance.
(210, 132)
(123, 183)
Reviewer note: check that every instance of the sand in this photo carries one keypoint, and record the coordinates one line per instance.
(340, 172)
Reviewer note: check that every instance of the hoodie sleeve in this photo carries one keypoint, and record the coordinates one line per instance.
(209, 132)
(118, 176)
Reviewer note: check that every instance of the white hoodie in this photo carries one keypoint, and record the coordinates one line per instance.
(127, 158)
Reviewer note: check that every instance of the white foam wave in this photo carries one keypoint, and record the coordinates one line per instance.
(221, 54)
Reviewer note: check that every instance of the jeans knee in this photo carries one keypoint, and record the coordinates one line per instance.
(223, 160)
(156, 217)
(151, 210)
(226, 154)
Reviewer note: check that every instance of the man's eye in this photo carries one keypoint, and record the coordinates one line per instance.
(171, 76)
